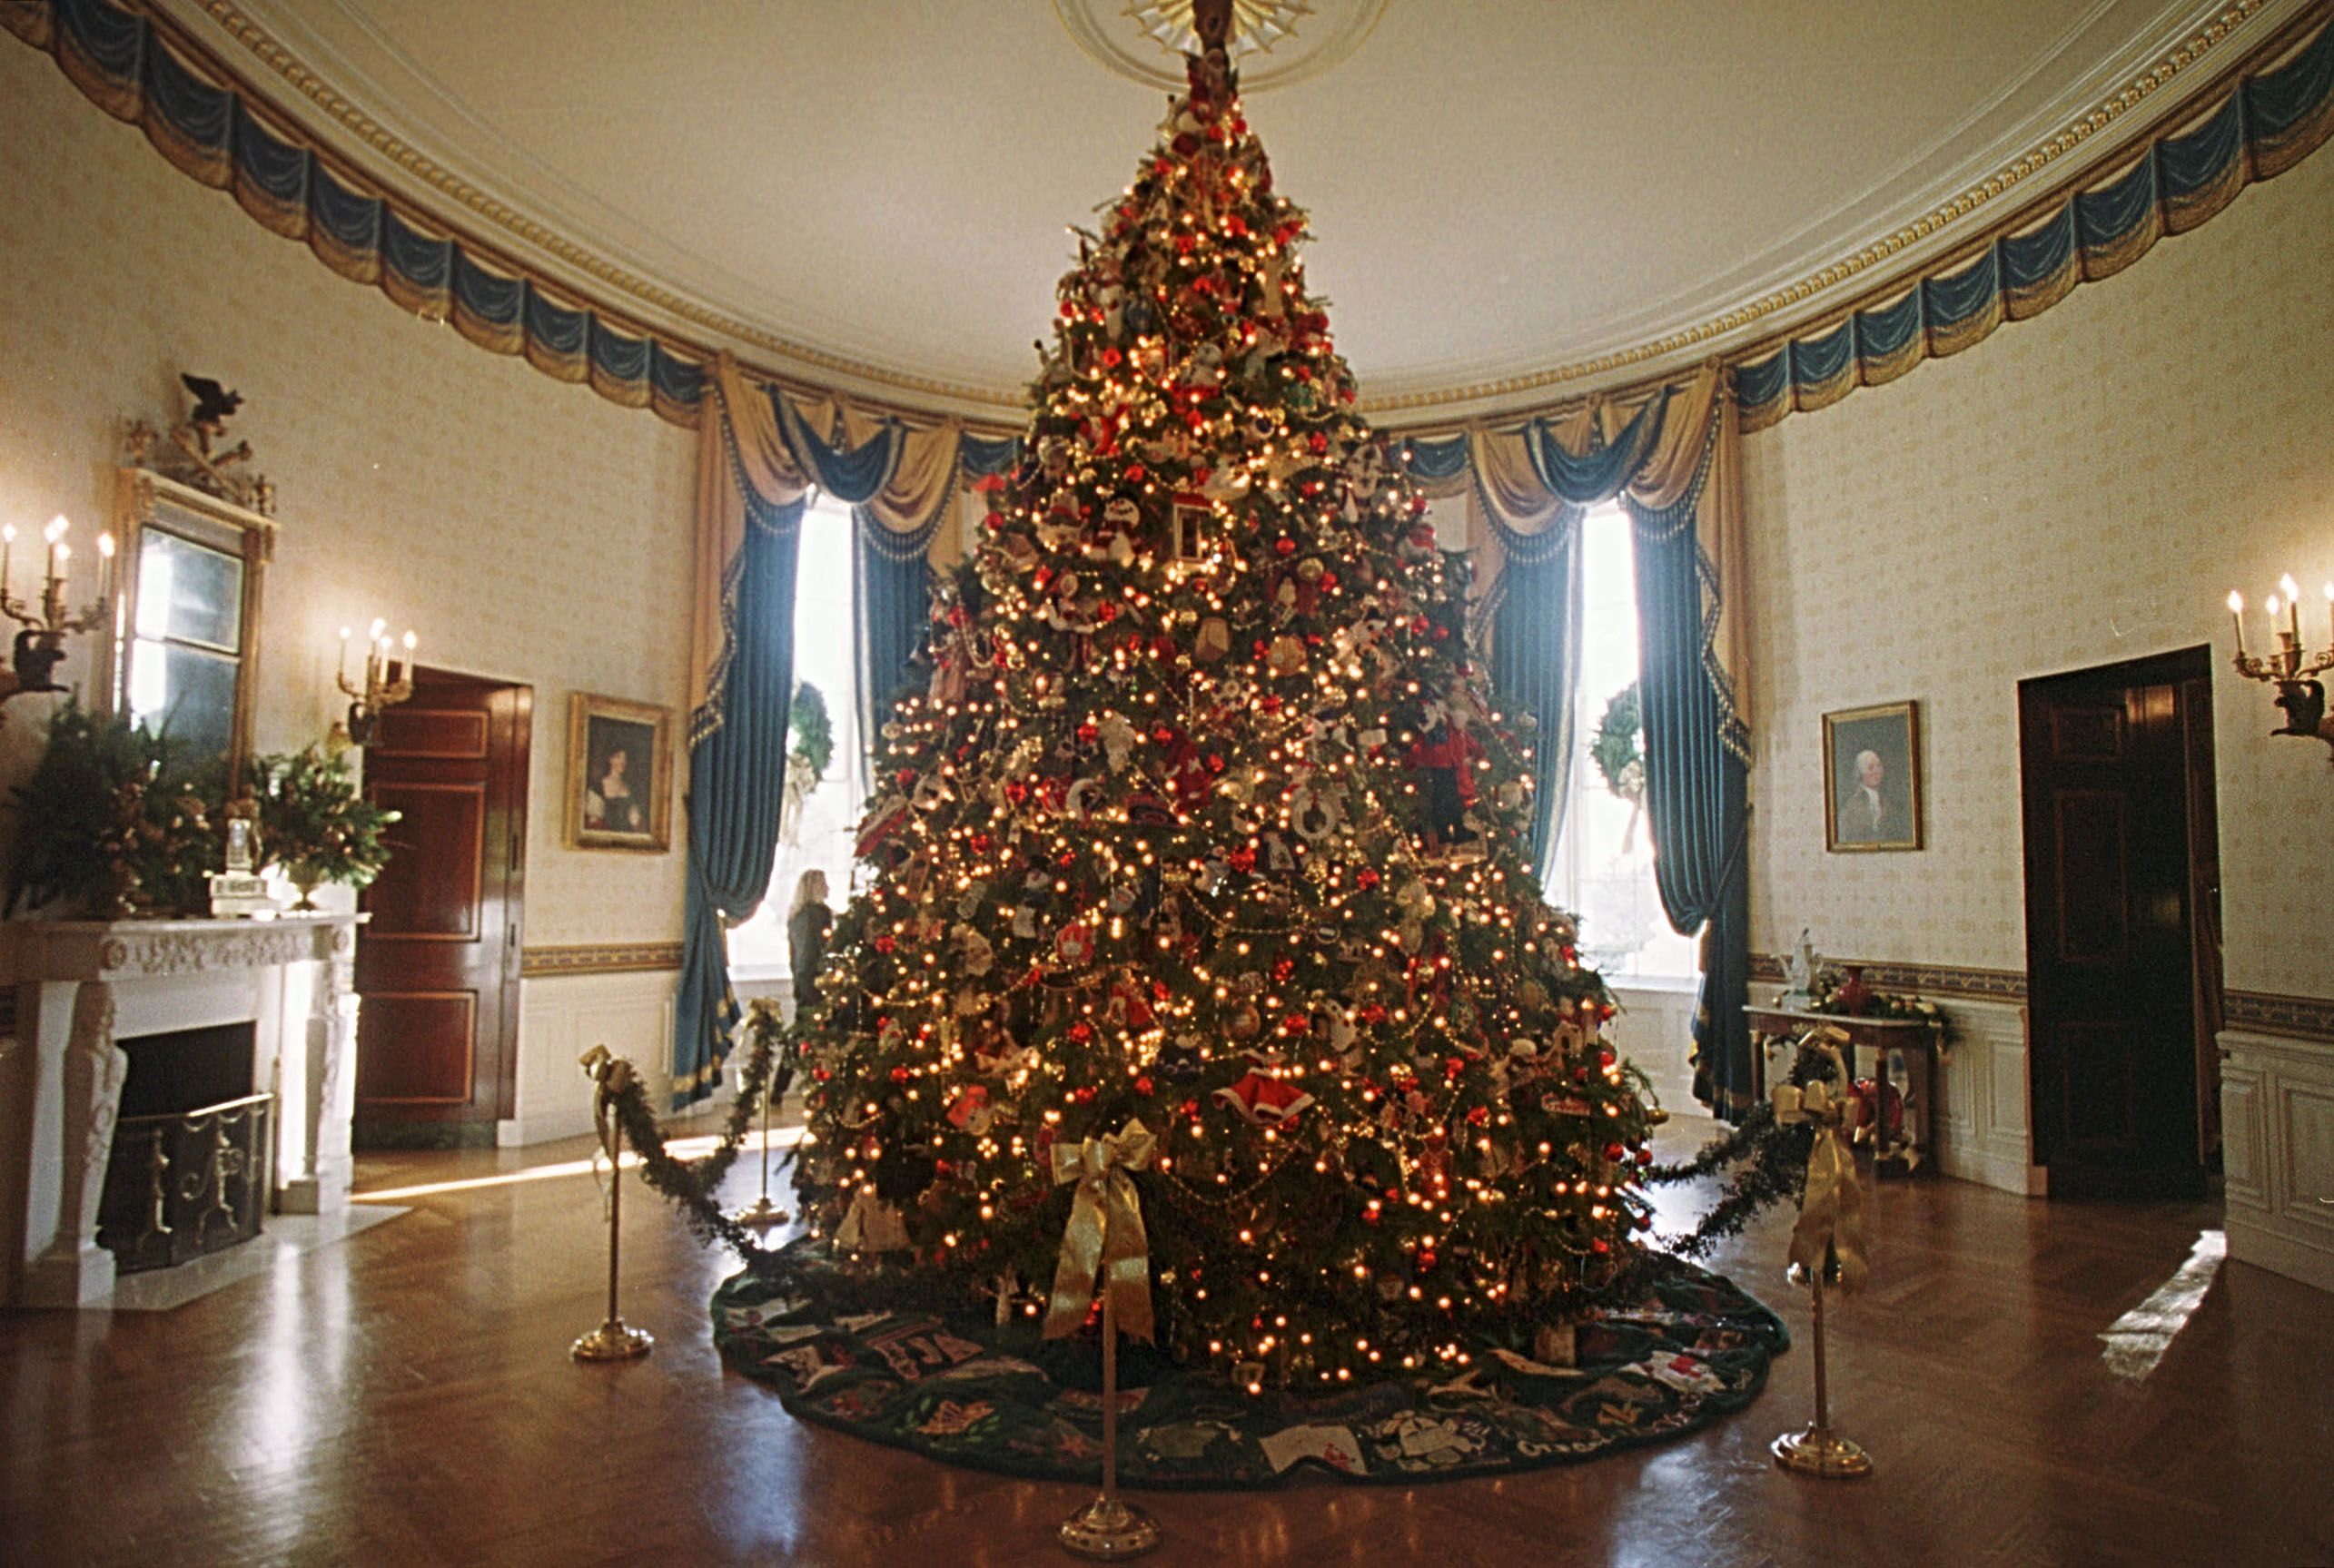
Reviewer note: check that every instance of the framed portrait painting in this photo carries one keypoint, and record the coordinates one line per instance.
(1872, 778)
(619, 774)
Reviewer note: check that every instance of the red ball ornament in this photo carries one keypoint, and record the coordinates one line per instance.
(901, 1075)
(1084, 1094)
(1081, 1031)
(1616, 1153)
(1142, 1084)
(1284, 546)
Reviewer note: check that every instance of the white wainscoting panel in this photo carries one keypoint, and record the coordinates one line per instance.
(560, 1017)
(1656, 1031)
(1980, 1122)
(2277, 1131)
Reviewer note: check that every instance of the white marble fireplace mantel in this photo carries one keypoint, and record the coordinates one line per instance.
(81, 985)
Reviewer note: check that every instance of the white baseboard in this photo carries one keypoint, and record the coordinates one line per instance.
(2251, 1242)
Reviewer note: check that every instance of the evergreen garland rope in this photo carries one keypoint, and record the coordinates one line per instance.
(772, 1052)
(1773, 1158)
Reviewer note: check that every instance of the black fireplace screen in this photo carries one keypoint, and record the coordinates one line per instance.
(182, 1185)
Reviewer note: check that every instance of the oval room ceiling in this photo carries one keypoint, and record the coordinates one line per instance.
(1500, 188)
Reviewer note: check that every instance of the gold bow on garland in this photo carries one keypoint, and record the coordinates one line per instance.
(1105, 1237)
(1831, 1211)
(612, 1075)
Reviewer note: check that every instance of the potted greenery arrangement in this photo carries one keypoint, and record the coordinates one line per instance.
(315, 823)
(115, 822)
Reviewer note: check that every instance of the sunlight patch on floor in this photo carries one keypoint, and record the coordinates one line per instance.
(682, 1149)
(2137, 1341)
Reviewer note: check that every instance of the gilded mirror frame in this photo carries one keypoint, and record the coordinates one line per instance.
(144, 500)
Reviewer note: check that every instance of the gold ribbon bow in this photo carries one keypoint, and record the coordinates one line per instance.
(1831, 1210)
(1105, 1237)
(612, 1075)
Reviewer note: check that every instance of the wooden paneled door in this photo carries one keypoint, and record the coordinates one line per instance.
(2123, 957)
(437, 967)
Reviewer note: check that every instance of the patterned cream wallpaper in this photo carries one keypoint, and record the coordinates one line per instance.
(528, 529)
(2081, 489)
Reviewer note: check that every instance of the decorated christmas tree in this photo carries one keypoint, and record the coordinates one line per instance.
(1207, 822)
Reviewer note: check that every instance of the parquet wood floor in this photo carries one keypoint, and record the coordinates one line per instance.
(406, 1399)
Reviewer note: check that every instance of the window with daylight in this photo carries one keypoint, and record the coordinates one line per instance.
(818, 830)
(1603, 866)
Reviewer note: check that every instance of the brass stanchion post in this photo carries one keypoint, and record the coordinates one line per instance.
(1819, 1450)
(1827, 1243)
(762, 1214)
(613, 1340)
(1107, 1529)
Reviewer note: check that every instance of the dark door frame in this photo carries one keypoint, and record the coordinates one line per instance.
(510, 706)
(2189, 671)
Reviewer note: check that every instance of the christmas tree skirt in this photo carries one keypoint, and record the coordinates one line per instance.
(1689, 1347)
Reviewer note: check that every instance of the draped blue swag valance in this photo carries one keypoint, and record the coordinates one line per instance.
(2273, 118)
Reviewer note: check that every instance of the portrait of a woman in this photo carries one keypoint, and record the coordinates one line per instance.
(618, 755)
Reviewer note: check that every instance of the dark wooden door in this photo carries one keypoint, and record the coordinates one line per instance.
(2119, 851)
(437, 967)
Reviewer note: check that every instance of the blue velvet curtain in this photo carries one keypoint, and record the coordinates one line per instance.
(1536, 662)
(737, 787)
(1697, 784)
(891, 599)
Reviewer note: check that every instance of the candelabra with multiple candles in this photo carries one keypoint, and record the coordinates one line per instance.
(47, 622)
(387, 681)
(2287, 665)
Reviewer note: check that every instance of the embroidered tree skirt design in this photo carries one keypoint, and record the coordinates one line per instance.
(1689, 1348)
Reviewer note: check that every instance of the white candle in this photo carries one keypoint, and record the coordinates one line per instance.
(2292, 605)
(346, 633)
(104, 566)
(412, 642)
(54, 534)
(2236, 611)
(7, 553)
(2330, 615)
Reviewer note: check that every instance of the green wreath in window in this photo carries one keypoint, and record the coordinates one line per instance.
(1619, 749)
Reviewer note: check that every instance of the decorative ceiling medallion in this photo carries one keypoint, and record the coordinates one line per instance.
(1273, 42)
(1256, 24)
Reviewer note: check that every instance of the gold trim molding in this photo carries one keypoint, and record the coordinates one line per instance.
(2015, 178)
(599, 958)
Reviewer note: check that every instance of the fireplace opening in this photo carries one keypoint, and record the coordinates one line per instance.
(189, 1170)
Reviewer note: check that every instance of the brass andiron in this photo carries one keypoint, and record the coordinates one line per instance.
(1827, 1245)
(762, 1214)
(613, 1340)
(2302, 696)
(40, 647)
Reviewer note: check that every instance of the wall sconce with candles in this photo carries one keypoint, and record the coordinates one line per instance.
(2294, 673)
(40, 645)
(387, 682)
